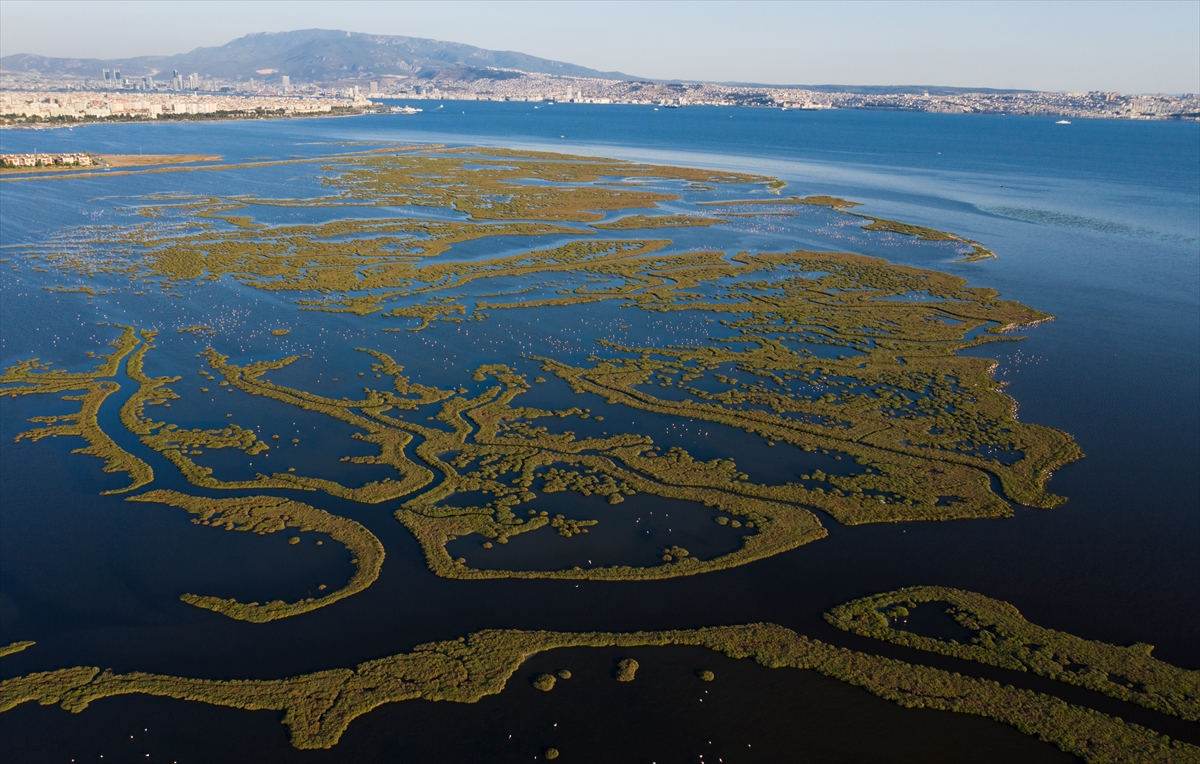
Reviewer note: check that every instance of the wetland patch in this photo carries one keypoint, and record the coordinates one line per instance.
(496, 399)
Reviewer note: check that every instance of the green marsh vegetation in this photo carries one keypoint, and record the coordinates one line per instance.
(268, 514)
(198, 329)
(91, 389)
(626, 670)
(638, 222)
(927, 429)
(317, 708)
(817, 351)
(209, 238)
(1002, 637)
(86, 290)
(15, 647)
(493, 436)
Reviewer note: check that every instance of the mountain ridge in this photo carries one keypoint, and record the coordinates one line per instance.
(333, 55)
(313, 55)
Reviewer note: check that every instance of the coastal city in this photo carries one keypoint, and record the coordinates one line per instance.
(33, 98)
(535, 87)
(68, 104)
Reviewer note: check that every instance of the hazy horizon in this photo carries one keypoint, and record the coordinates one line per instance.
(1144, 47)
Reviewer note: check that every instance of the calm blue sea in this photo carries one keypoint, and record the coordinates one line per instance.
(1096, 222)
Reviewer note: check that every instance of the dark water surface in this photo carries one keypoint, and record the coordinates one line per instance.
(1097, 223)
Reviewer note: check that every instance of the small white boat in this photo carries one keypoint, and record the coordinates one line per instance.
(1063, 122)
(405, 110)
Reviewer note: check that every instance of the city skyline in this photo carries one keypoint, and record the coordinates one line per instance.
(1055, 47)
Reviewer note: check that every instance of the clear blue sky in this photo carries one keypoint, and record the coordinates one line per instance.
(1131, 47)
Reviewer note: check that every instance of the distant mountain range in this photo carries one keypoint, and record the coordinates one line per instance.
(314, 55)
(330, 55)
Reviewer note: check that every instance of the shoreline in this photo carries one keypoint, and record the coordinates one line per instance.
(259, 117)
(91, 122)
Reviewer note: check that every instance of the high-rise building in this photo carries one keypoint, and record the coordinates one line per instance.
(374, 87)
(568, 93)
(287, 82)
(106, 76)
(117, 76)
